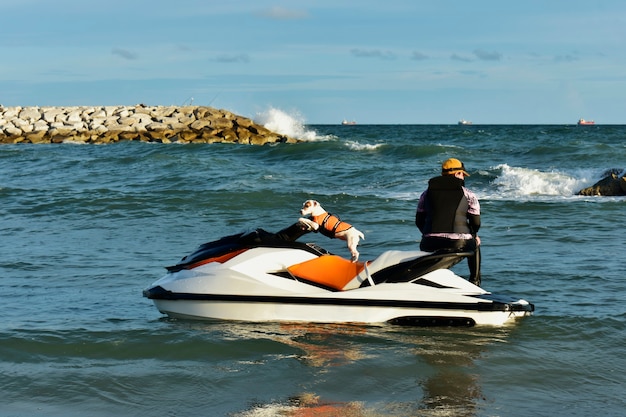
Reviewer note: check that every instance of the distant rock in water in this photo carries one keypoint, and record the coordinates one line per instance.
(613, 184)
(106, 124)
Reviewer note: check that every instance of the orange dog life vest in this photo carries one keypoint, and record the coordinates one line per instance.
(330, 224)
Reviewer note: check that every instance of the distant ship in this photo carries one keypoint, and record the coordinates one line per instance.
(348, 122)
(464, 122)
(583, 122)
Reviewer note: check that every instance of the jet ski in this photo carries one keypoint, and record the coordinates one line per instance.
(259, 276)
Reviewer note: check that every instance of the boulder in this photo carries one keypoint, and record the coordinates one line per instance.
(40, 126)
(13, 131)
(30, 114)
(157, 126)
(37, 137)
(187, 136)
(223, 123)
(612, 185)
(74, 117)
(201, 125)
(51, 115)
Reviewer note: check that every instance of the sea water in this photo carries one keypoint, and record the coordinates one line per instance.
(85, 228)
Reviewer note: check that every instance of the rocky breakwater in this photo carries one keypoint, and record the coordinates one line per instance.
(107, 124)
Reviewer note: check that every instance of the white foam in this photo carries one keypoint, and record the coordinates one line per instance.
(292, 125)
(524, 182)
(356, 146)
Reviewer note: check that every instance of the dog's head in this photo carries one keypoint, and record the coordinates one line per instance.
(310, 207)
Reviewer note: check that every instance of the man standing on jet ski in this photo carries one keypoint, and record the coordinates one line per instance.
(448, 215)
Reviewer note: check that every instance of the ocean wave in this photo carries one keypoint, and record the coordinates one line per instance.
(513, 181)
(292, 125)
(358, 146)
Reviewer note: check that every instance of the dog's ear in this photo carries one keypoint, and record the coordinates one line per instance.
(309, 203)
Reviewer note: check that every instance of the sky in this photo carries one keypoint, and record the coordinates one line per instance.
(323, 61)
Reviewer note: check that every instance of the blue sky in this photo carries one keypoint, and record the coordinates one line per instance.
(371, 61)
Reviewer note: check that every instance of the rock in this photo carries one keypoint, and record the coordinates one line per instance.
(243, 122)
(129, 135)
(74, 117)
(27, 128)
(107, 137)
(73, 137)
(157, 126)
(178, 126)
(228, 135)
(99, 114)
(61, 131)
(612, 185)
(200, 125)
(37, 137)
(11, 113)
(51, 115)
(244, 135)
(257, 140)
(41, 126)
(205, 113)
(121, 112)
(13, 131)
(30, 114)
(111, 121)
(21, 123)
(222, 123)
(128, 121)
(77, 126)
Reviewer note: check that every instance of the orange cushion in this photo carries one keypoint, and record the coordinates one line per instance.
(330, 270)
(220, 259)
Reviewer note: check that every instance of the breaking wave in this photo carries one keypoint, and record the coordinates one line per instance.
(292, 125)
(357, 146)
(518, 182)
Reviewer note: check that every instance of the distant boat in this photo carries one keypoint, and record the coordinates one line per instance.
(583, 122)
(348, 122)
(464, 122)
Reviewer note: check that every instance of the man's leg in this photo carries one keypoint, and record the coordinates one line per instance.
(474, 266)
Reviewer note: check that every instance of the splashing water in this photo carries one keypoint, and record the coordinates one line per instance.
(356, 146)
(286, 124)
(525, 182)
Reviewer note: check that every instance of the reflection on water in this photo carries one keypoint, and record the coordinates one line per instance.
(318, 343)
(453, 386)
(441, 362)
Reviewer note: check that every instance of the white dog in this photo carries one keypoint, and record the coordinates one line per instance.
(330, 225)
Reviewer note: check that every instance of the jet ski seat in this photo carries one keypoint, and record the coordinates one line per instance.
(417, 263)
(328, 271)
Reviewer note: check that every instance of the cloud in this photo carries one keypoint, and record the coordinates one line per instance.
(124, 53)
(232, 58)
(479, 74)
(373, 53)
(418, 56)
(280, 13)
(456, 57)
(565, 58)
(487, 56)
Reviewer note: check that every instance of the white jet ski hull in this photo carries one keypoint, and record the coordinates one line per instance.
(257, 285)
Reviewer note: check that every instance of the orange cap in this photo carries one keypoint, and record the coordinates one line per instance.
(452, 166)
